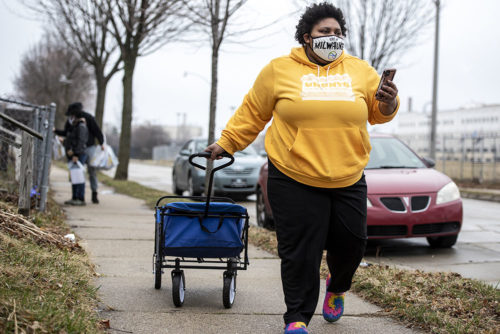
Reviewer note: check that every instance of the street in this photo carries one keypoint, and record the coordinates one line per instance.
(476, 254)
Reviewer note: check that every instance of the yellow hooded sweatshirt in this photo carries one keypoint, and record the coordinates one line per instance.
(318, 135)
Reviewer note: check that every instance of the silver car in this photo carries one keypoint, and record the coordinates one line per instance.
(237, 180)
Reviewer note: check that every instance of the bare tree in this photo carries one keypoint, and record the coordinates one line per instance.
(84, 28)
(381, 31)
(212, 18)
(50, 72)
(139, 28)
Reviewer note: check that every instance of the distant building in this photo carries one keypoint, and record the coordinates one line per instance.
(459, 132)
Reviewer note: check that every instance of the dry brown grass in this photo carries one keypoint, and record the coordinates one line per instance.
(45, 280)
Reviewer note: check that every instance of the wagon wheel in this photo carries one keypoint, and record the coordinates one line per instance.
(158, 257)
(178, 287)
(229, 289)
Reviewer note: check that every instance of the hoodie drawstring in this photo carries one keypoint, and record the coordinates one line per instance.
(327, 72)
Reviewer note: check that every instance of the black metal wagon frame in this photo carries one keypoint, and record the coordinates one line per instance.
(230, 265)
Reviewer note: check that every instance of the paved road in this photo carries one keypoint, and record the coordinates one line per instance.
(476, 254)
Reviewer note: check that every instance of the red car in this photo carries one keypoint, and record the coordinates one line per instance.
(407, 198)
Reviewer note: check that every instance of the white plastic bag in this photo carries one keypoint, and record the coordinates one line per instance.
(103, 159)
(58, 151)
(76, 172)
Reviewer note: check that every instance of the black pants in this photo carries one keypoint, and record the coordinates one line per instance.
(309, 220)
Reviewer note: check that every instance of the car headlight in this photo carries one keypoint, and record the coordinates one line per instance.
(368, 203)
(448, 193)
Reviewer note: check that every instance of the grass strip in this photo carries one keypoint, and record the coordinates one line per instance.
(437, 302)
(134, 189)
(44, 288)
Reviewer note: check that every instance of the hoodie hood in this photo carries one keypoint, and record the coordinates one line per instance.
(299, 55)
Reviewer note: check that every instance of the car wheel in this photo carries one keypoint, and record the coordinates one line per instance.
(442, 242)
(263, 219)
(191, 190)
(175, 188)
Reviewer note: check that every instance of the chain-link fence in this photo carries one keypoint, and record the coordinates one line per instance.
(465, 158)
(25, 150)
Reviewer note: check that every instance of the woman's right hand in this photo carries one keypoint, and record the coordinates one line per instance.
(216, 150)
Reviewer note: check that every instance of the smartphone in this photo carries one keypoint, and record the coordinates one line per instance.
(388, 74)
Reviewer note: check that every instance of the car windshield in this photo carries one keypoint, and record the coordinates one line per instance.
(392, 153)
(201, 145)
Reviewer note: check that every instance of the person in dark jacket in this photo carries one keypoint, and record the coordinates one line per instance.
(94, 132)
(76, 144)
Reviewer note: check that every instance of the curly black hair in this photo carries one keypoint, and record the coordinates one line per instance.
(316, 13)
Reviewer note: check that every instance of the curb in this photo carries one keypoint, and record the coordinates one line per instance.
(480, 195)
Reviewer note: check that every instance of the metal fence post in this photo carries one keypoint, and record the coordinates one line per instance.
(462, 161)
(37, 157)
(495, 159)
(44, 188)
(473, 172)
(444, 153)
(26, 177)
(481, 172)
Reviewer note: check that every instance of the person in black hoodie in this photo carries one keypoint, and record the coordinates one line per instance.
(75, 145)
(94, 132)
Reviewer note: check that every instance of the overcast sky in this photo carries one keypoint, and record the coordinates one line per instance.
(175, 79)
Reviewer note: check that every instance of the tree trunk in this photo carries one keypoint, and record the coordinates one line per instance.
(213, 110)
(125, 136)
(102, 85)
(213, 96)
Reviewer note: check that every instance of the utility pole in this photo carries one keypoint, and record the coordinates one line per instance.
(434, 85)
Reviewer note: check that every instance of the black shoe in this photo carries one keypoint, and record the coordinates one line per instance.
(94, 197)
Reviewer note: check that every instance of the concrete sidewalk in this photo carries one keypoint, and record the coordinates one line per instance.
(119, 235)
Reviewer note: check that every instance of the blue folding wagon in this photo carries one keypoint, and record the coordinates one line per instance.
(200, 232)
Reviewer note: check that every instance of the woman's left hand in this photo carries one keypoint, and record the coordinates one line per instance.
(387, 97)
(216, 150)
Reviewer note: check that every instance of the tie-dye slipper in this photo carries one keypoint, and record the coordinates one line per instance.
(333, 306)
(296, 328)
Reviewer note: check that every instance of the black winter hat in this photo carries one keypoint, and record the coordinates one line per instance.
(74, 108)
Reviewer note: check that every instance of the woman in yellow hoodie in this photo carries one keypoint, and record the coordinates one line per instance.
(319, 99)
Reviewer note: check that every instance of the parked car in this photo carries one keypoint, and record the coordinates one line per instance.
(237, 180)
(406, 197)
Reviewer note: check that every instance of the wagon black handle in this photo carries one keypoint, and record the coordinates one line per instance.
(210, 182)
(208, 155)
